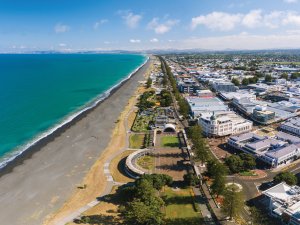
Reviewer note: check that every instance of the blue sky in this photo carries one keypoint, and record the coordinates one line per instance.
(70, 25)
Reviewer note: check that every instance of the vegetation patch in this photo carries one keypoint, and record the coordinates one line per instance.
(248, 173)
(136, 141)
(141, 123)
(146, 162)
(169, 141)
(180, 206)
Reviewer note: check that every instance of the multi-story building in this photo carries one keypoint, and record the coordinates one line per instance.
(283, 203)
(224, 86)
(263, 116)
(223, 123)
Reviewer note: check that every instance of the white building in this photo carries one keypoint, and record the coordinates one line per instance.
(283, 202)
(223, 123)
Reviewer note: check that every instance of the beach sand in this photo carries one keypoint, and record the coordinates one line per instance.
(42, 183)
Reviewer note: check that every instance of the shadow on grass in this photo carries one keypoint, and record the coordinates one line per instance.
(182, 221)
(178, 200)
(97, 219)
(171, 145)
(121, 167)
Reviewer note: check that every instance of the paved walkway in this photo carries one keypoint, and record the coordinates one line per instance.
(110, 180)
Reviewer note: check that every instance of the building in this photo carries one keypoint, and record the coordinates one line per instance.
(263, 116)
(201, 105)
(204, 93)
(223, 123)
(291, 126)
(283, 202)
(228, 96)
(187, 85)
(224, 86)
(275, 152)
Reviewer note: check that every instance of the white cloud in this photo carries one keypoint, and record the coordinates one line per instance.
(243, 41)
(290, 1)
(217, 21)
(161, 28)
(135, 41)
(253, 18)
(223, 21)
(61, 28)
(154, 40)
(131, 20)
(99, 23)
(62, 45)
(292, 18)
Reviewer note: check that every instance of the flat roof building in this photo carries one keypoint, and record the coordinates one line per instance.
(201, 105)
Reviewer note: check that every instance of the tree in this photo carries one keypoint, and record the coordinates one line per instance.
(215, 169)
(284, 76)
(235, 82)
(166, 98)
(245, 81)
(287, 177)
(249, 162)
(258, 217)
(149, 82)
(268, 78)
(141, 213)
(184, 107)
(190, 179)
(295, 76)
(235, 163)
(233, 202)
(218, 185)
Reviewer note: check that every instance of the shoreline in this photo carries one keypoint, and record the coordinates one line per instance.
(41, 182)
(49, 135)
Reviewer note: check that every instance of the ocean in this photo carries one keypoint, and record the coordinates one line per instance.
(41, 92)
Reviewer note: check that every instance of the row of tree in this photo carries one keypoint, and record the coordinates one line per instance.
(143, 205)
(184, 107)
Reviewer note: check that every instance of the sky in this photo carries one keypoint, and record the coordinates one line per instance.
(76, 25)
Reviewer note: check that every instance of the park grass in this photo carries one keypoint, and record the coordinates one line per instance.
(117, 167)
(180, 207)
(136, 141)
(169, 141)
(281, 63)
(248, 173)
(146, 162)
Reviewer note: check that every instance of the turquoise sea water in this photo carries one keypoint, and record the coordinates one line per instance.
(40, 91)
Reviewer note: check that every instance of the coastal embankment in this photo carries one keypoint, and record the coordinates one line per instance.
(40, 181)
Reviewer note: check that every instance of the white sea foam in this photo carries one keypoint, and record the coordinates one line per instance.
(19, 151)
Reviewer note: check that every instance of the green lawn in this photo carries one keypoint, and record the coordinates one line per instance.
(248, 173)
(146, 162)
(180, 207)
(136, 141)
(281, 63)
(169, 141)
